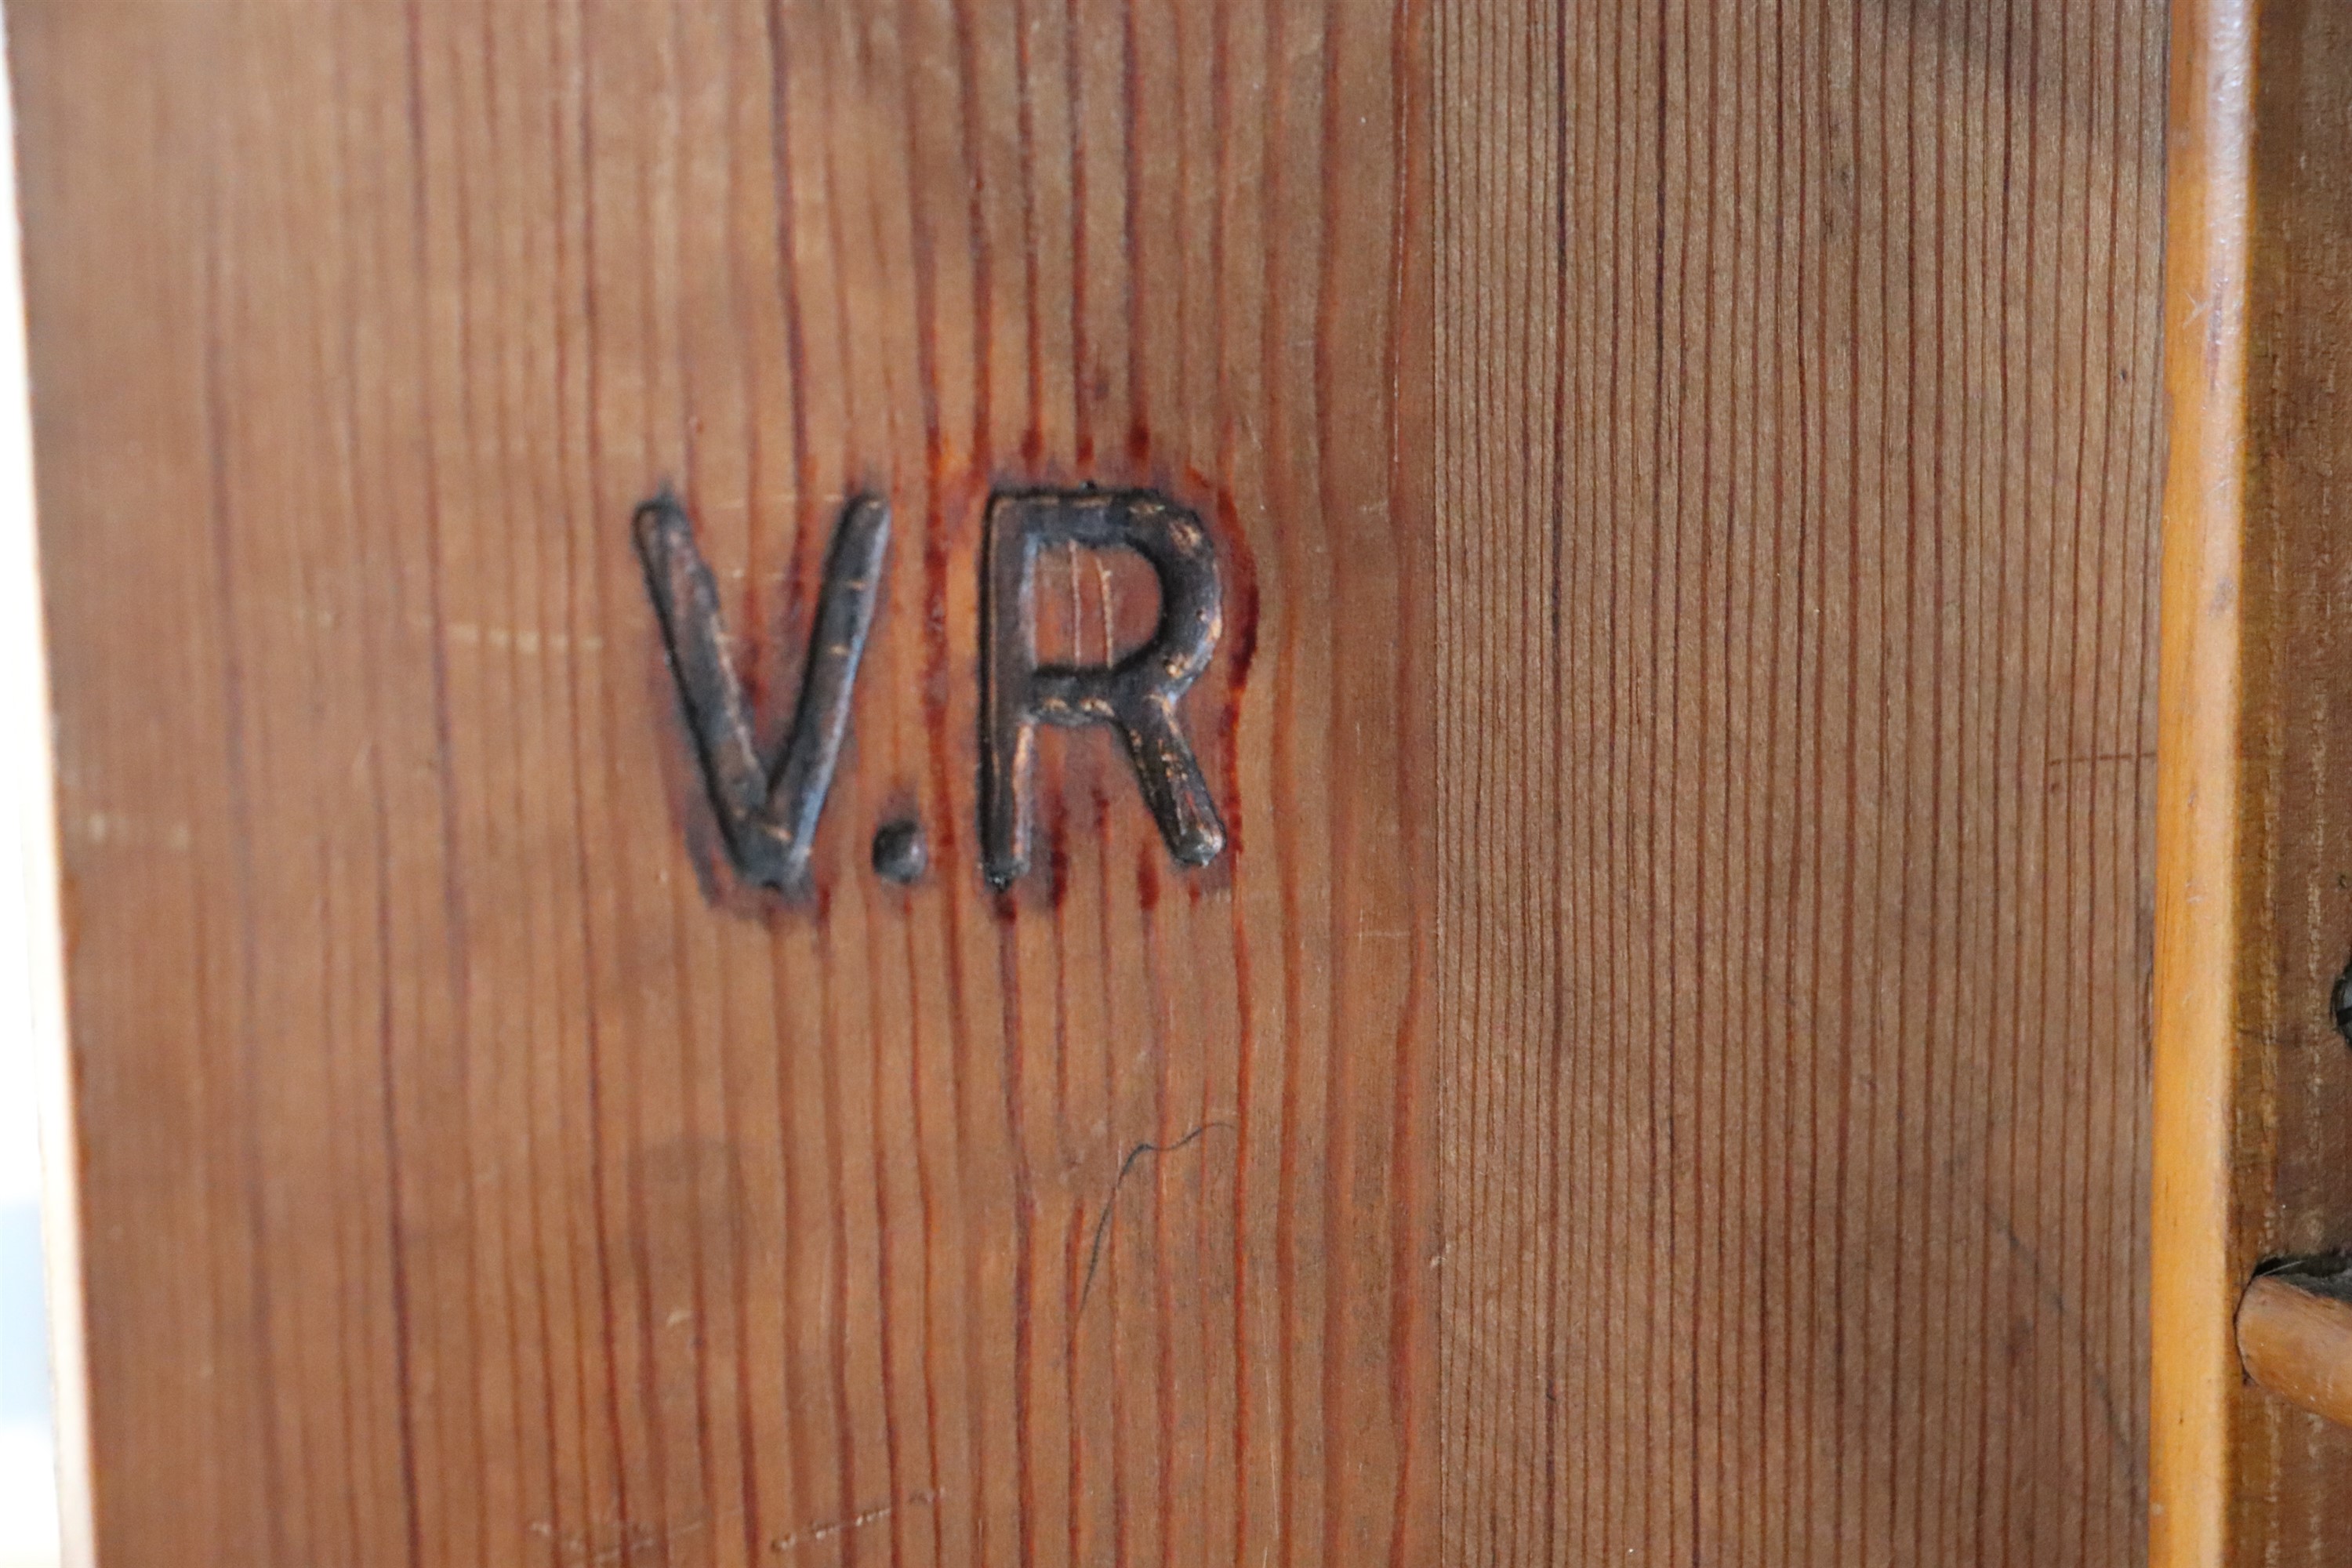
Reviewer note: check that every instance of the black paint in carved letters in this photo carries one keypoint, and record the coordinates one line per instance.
(767, 819)
(1137, 696)
(768, 815)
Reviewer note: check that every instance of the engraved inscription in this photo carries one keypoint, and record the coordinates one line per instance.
(768, 818)
(1137, 696)
(768, 812)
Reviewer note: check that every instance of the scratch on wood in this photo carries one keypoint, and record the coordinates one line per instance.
(2119, 1440)
(135, 831)
(635, 1542)
(817, 1533)
(1102, 1221)
(2100, 759)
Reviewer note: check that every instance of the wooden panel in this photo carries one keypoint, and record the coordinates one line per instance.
(1798, 466)
(474, 1176)
(1658, 1072)
(2255, 1082)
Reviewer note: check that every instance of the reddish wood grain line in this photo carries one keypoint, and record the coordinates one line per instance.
(1658, 1074)
(1797, 464)
(470, 1179)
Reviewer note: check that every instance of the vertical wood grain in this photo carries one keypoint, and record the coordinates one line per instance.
(2292, 1144)
(472, 1176)
(1797, 456)
(2254, 1078)
(1659, 1073)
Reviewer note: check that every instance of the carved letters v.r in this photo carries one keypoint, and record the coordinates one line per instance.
(767, 813)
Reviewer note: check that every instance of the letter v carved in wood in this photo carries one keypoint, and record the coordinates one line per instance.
(769, 818)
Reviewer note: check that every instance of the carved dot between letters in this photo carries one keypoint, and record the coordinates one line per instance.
(900, 855)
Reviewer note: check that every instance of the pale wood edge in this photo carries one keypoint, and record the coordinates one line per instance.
(2194, 1291)
(24, 720)
(2296, 1342)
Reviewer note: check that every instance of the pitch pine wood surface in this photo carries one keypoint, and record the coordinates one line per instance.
(2293, 1142)
(1659, 1072)
(2254, 1081)
(1798, 451)
(468, 1182)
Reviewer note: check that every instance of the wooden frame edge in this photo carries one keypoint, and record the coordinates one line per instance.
(25, 716)
(2194, 1290)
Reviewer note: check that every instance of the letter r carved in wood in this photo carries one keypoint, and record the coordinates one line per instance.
(1137, 696)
